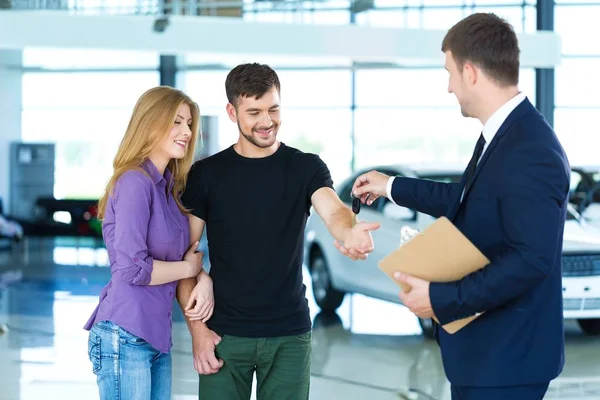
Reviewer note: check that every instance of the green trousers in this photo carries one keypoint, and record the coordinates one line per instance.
(282, 366)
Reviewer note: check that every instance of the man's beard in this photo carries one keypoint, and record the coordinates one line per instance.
(250, 137)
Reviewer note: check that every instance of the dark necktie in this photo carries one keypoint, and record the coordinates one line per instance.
(474, 159)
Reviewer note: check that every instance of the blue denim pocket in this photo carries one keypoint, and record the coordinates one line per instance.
(94, 343)
(129, 338)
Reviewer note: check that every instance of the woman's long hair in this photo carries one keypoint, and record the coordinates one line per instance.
(150, 123)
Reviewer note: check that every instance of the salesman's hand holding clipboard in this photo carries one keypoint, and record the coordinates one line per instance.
(416, 298)
(441, 253)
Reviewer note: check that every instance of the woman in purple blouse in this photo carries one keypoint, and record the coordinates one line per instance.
(146, 232)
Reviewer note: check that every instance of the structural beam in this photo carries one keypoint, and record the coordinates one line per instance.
(167, 69)
(221, 35)
(544, 77)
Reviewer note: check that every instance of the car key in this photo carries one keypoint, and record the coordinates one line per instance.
(356, 205)
(355, 209)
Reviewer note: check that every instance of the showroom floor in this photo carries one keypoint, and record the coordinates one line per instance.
(369, 350)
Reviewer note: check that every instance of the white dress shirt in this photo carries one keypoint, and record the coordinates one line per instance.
(490, 128)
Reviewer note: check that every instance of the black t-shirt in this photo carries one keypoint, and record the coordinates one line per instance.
(255, 211)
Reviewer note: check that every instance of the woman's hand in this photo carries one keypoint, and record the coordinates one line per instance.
(202, 299)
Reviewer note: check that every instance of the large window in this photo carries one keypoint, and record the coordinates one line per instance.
(576, 82)
(577, 24)
(403, 88)
(407, 116)
(86, 115)
(413, 135)
(322, 131)
(578, 133)
(82, 99)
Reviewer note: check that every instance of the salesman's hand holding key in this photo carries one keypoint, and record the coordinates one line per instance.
(370, 186)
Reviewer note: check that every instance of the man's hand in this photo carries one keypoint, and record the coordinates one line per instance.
(203, 296)
(417, 298)
(372, 183)
(203, 348)
(359, 243)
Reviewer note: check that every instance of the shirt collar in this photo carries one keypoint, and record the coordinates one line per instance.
(156, 177)
(497, 119)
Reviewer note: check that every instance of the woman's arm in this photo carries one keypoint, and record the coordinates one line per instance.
(132, 201)
(170, 271)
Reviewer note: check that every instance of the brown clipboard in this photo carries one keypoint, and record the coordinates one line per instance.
(440, 253)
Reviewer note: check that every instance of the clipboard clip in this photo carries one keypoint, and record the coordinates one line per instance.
(407, 233)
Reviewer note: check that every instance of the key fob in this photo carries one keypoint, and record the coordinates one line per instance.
(356, 205)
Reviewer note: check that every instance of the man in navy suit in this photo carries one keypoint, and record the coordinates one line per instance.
(511, 203)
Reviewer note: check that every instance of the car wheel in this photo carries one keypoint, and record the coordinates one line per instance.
(428, 328)
(327, 320)
(327, 297)
(590, 326)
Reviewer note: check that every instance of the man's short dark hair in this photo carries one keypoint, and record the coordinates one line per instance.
(250, 80)
(488, 41)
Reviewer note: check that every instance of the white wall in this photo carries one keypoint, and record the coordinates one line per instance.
(10, 114)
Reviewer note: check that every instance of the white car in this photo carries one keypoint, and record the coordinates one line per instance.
(585, 192)
(333, 275)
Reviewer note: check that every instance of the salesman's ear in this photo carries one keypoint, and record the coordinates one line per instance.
(471, 73)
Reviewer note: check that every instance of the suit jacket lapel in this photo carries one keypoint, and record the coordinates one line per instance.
(521, 109)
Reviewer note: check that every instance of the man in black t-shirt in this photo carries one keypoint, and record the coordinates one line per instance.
(254, 198)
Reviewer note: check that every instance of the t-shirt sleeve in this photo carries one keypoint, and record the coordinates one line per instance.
(320, 176)
(194, 196)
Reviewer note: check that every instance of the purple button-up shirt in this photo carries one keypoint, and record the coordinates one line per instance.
(142, 223)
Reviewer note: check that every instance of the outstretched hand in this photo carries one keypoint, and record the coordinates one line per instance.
(359, 242)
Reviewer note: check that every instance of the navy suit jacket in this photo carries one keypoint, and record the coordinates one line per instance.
(514, 212)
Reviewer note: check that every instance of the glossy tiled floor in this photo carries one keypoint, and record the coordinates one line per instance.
(369, 350)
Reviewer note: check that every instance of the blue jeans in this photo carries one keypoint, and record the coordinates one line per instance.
(127, 367)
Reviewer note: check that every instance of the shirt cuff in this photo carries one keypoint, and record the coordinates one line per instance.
(388, 190)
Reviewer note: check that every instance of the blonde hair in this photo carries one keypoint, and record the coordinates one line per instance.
(150, 123)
